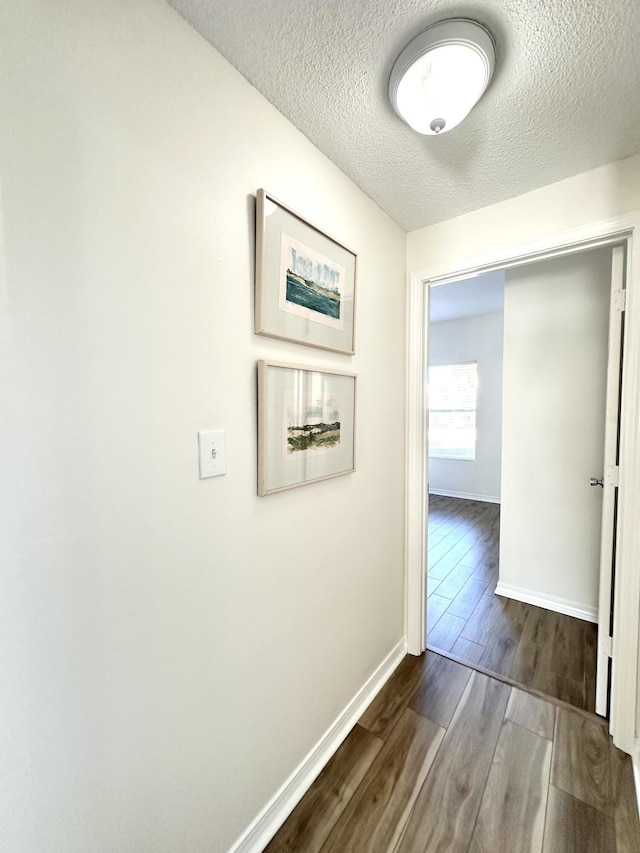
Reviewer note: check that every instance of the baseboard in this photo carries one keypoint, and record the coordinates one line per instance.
(635, 763)
(274, 814)
(445, 493)
(549, 602)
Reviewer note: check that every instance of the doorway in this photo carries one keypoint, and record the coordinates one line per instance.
(625, 650)
(521, 604)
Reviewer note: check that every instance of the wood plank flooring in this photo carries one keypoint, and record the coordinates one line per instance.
(537, 648)
(450, 760)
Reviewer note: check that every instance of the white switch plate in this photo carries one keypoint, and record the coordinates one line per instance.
(213, 461)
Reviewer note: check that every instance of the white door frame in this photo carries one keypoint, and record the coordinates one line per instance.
(627, 595)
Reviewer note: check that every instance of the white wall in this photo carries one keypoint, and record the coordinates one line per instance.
(555, 373)
(473, 339)
(171, 648)
(590, 197)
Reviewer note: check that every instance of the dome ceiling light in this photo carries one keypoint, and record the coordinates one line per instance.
(441, 74)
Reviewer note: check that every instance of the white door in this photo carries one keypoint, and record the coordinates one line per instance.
(554, 396)
(608, 480)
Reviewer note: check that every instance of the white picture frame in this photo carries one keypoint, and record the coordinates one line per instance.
(305, 280)
(306, 425)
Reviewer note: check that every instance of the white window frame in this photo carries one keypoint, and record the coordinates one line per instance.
(437, 453)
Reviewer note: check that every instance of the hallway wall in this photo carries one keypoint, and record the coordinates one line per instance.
(172, 648)
(589, 197)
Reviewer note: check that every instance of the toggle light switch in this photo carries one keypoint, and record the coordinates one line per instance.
(213, 461)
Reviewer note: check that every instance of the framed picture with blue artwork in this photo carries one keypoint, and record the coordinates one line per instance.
(305, 280)
(306, 425)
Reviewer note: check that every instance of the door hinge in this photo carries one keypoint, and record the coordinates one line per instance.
(606, 646)
(612, 476)
(620, 299)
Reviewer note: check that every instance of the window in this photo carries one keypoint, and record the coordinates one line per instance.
(452, 411)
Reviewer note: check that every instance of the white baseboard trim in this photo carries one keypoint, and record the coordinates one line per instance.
(635, 763)
(445, 493)
(264, 827)
(549, 602)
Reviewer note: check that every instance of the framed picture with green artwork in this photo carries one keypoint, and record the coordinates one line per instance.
(305, 280)
(306, 425)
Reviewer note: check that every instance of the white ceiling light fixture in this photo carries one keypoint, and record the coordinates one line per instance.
(441, 74)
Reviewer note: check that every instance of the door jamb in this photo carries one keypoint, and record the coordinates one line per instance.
(626, 228)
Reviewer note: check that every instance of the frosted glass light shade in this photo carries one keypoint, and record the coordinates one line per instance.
(440, 76)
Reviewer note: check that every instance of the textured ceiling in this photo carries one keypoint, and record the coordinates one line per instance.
(565, 96)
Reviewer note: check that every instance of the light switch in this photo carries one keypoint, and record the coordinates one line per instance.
(211, 452)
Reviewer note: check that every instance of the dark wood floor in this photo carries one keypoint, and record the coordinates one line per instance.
(546, 651)
(449, 760)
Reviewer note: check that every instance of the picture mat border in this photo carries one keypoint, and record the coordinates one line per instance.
(261, 286)
(263, 367)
